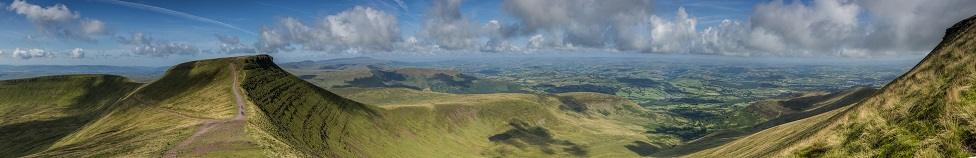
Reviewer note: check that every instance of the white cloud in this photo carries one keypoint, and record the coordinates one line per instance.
(58, 13)
(535, 42)
(590, 23)
(233, 45)
(89, 26)
(820, 28)
(356, 29)
(145, 45)
(668, 36)
(59, 21)
(445, 27)
(77, 53)
(29, 53)
(909, 25)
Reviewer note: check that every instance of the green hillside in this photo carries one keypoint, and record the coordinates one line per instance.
(772, 113)
(156, 119)
(248, 106)
(927, 112)
(372, 73)
(403, 122)
(36, 112)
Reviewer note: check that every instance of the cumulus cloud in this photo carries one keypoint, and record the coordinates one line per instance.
(906, 25)
(852, 28)
(498, 37)
(356, 29)
(232, 45)
(77, 53)
(666, 36)
(820, 26)
(590, 23)
(92, 27)
(59, 21)
(147, 46)
(445, 27)
(30, 53)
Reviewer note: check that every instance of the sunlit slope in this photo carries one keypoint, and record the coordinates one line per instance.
(155, 118)
(192, 112)
(36, 112)
(927, 112)
(774, 113)
(301, 119)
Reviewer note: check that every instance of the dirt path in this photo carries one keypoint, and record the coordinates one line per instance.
(215, 127)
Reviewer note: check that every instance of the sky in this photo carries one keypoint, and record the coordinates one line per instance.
(158, 33)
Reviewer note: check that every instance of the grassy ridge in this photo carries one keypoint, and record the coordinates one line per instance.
(37, 112)
(156, 117)
(777, 113)
(927, 112)
(300, 119)
(288, 117)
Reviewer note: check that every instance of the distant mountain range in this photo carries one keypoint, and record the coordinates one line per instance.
(365, 72)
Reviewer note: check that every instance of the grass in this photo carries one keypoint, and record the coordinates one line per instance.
(927, 112)
(154, 118)
(37, 112)
(297, 118)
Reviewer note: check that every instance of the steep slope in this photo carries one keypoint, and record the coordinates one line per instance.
(774, 113)
(36, 112)
(249, 107)
(303, 120)
(927, 112)
(156, 119)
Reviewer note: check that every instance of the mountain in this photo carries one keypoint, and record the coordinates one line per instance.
(36, 112)
(927, 112)
(248, 107)
(137, 73)
(770, 113)
(363, 72)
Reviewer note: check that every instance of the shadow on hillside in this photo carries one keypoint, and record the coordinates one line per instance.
(523, 135)
(642, 148)
(24, 138)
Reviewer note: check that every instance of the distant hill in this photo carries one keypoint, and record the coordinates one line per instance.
(364, 72)
(771, 113)
(337, 63)
(250, 107)
(138, 73)
(927, 112)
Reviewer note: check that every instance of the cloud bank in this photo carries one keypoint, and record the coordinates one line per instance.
(144, 45)
(847, 28)
(59, 21)
(30, 53)
(354, 30)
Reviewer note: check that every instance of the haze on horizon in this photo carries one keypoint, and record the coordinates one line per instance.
(159, 33)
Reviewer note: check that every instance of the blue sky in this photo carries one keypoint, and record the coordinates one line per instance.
(145, 32)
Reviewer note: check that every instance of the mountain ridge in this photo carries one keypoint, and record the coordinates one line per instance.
(925, 112)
